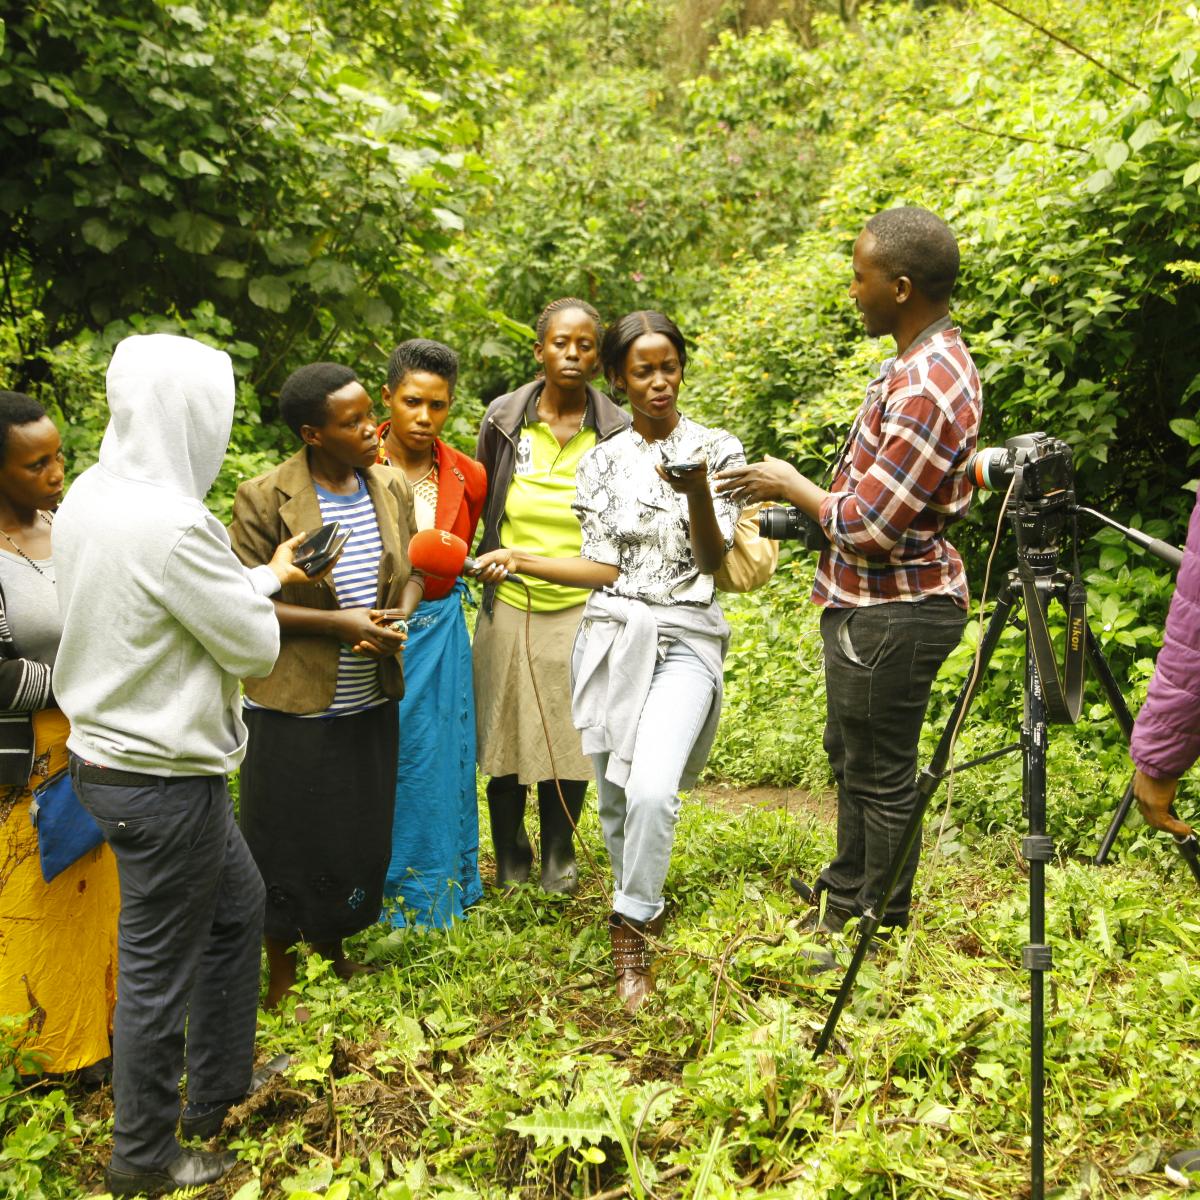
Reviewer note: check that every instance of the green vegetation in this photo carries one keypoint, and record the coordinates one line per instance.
(293, 181)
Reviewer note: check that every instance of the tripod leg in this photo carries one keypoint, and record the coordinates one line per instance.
(1189, 849)
(1108, 681)
(1037, 957)
(1116, 701)
(927, 783)
(1114, 827)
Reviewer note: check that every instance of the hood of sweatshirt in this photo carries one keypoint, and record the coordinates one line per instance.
(170, 401)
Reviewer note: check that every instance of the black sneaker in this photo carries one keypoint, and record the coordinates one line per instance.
(833, 920)
(191, 1169)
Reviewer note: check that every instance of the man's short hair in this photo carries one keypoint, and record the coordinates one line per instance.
(915, 242)
(304, 397)
(16, 408)
(422, 354)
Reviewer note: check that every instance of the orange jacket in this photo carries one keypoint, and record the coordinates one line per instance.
(462, 487)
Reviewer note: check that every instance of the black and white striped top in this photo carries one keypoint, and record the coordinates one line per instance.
(356, 583)
(24, 689)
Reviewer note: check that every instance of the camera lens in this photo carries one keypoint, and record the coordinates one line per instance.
(990, 469)
(777, 523)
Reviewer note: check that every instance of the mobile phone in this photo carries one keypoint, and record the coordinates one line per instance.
(319, 549)
(681, 468)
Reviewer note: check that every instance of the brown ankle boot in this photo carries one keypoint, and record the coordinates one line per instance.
(631, 957)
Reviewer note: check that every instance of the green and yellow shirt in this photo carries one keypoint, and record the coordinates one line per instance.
(538, 515)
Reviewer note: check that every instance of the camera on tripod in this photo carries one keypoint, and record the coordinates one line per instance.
(1043, 493)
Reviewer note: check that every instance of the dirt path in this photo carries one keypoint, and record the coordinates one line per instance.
(793, 800)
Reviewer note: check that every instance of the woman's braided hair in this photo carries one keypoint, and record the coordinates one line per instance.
(560, 305)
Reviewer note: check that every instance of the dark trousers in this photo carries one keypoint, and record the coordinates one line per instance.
(188, 954)
(880, 663)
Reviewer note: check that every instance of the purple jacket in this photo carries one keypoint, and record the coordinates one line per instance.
(1166, 737)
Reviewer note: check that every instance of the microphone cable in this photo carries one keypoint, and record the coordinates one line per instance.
(537, 695)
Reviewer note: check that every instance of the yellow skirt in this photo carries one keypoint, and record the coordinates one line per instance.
(58, 940)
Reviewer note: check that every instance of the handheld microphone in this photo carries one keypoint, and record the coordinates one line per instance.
(439, 553)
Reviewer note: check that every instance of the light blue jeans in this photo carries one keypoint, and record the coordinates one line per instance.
(639, 819)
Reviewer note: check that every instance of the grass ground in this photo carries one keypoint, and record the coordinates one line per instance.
(493, 1060)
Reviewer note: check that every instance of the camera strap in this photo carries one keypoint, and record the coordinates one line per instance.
(1062, 692)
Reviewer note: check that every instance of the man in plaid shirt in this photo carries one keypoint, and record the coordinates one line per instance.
(893, 588)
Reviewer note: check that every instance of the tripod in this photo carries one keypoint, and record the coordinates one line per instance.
(1037, 583)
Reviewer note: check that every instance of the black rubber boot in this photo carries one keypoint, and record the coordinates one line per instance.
(506, 807)
(560, 872)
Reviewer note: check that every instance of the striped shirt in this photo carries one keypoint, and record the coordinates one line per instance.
(902, 480)
(356, 585)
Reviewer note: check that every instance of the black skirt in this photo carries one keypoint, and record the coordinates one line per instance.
(316, 805)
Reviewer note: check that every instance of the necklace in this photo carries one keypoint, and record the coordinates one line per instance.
(582, 417)
(22, 552)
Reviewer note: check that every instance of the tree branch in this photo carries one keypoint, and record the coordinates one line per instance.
(1016, 137)
(1062, 41)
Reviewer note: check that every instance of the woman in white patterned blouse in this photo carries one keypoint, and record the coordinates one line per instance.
(648, 659)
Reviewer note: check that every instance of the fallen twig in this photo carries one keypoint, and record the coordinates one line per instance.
(623, 1190)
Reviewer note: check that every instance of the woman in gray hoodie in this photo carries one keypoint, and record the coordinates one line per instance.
(160, 624)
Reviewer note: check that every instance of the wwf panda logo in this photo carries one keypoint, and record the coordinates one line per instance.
(524, 455)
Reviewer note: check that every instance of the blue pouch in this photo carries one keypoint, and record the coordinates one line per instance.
(65, 829)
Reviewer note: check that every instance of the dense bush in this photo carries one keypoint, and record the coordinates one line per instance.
(225, 155)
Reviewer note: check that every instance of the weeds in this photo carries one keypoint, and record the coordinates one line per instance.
(492, 1060)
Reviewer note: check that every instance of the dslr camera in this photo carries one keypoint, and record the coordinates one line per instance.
(791, 525)
(1043, 496)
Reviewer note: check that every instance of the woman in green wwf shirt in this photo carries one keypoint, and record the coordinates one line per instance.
(530, 442)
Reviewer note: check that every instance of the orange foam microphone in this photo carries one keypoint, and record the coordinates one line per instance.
(437, 552)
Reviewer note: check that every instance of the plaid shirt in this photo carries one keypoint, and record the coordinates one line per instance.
(901, 480)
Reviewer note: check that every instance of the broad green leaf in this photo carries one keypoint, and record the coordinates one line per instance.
(1098, 181)
(50, 95)
(270, 292)
(155, 184)
(1145, 133)
(377, 313)
(168, 99)
(447, 219)
(330, 275)
(185, 14)
(99, 233)
(195, 232)
(1191, 174)
(1116, 157)
(197, 164)
(151, 151)
(559, 1127)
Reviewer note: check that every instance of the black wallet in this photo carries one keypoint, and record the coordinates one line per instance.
(319, 549)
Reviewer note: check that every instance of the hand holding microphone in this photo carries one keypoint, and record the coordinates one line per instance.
(496, 565)
(436, 552)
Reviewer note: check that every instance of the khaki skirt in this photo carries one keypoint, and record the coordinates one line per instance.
(509, 733)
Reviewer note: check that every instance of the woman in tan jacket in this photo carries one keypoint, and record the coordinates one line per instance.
(319, 775)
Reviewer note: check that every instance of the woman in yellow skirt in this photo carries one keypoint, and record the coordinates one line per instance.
(58, 940)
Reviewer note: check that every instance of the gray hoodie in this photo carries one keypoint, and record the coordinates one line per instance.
(160, 620)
